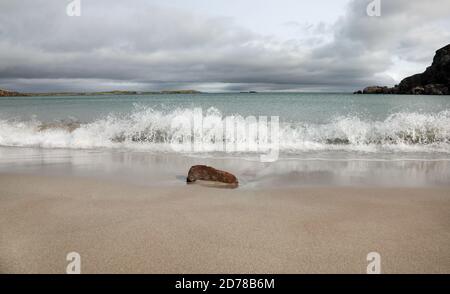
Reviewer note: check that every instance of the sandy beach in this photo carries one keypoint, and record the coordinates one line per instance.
(131, 228)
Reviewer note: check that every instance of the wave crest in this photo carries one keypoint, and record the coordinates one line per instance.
(150, 129)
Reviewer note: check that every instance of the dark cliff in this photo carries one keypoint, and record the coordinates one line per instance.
(435, 80)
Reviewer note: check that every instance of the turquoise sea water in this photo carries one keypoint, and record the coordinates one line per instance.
(298, 107)
(311, 125)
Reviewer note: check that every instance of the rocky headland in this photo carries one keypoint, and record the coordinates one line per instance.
(435, 80)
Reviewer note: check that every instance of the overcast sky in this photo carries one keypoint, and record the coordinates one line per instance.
(217, 45)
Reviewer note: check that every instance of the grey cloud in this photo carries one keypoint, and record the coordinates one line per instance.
(137, 45)
(406, 28)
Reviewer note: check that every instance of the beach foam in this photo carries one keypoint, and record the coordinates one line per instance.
(148, 129)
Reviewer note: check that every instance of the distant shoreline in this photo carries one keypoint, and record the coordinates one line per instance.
(5, 93)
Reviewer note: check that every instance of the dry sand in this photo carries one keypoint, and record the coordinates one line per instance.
(124, 228)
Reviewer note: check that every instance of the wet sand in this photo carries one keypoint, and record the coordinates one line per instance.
(120, 227)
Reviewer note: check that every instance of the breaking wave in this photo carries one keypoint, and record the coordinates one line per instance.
(149, 129)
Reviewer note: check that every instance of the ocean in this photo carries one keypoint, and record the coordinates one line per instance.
(323, 138)
(310, 125)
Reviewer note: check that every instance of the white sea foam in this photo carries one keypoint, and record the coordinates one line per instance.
(149, 129)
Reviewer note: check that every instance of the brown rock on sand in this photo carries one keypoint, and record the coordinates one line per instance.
(207, 173)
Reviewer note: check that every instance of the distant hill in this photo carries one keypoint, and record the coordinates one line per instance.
(6, 93)
(180, 92)
(435, 80)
